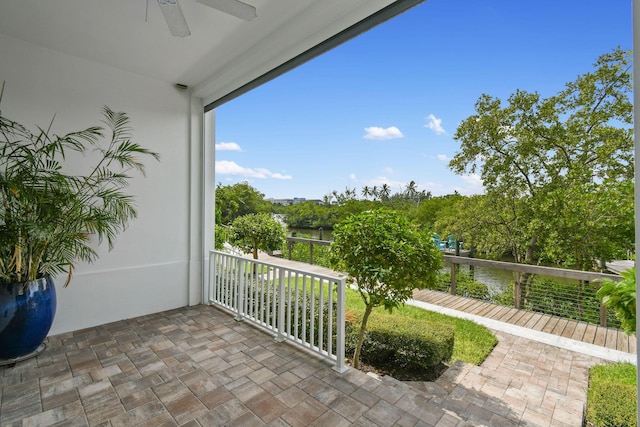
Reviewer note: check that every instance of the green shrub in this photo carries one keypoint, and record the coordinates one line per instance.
(393, 340)
(612, 396)
(465, 286)
(220, 237)
(621, 297)
(300, 252)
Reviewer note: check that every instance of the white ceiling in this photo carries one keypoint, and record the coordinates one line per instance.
(222, 54)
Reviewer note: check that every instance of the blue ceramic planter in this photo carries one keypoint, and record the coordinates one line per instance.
(26, 314)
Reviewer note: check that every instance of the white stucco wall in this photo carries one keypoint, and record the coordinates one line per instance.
(156, 264)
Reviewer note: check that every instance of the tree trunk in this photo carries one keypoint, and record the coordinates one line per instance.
(363, 328)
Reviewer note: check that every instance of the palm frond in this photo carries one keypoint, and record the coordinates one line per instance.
(48, 217)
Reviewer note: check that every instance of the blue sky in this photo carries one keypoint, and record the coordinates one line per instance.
(383, 108)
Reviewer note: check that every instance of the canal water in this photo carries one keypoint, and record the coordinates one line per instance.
(311, 233)
(498, 281)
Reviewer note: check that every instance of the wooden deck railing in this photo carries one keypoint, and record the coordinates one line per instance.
(310, 242)
(585, 285)
(519, 270)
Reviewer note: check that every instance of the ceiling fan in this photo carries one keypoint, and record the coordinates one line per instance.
(178, 24)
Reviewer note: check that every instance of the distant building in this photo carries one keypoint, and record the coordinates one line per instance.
(281, 202)
(294, 201)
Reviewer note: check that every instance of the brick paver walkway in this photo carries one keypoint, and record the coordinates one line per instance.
(524, 381)
(196, 366)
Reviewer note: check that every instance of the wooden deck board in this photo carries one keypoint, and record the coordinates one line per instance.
(457, 303)
(467, 306)
(449, 299)
(442, 299)
(507, 315)
(569, 329)
(484, 309)
(582, 331)
(633, 345)
(502, 313)
(515, 319)
(612, 339)
(524, 319)
(553, 321)
(601, 336)
(622, 343)
(534, 319)
(542, 322)
(578, 332)
(494, 311)
(590, 333)
(560, 326)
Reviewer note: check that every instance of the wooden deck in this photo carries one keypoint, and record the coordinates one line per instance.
(586, 332)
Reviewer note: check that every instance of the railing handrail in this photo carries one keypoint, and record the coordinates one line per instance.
(564, 273)
(260, 297)
(311, 241)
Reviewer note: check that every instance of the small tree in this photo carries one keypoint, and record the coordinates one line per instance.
(386, 258)
(255, 232)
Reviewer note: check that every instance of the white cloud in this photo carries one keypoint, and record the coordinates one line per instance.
(352, 176)
(443, 157)
(473, 179)
(435, 124)
(388, 170)
(228, 146)
(473, 185)
(226, 167)
(382, 134)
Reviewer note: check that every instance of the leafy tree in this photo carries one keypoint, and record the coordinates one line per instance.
(253, 232)
(238, 200)
(219, 237)
(545, 162)
(491, 223)
(597, 224)
(386, 258)
(431, 209)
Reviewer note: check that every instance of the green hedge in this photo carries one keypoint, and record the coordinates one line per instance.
(613, 405)
(400, 341)
(612, 396)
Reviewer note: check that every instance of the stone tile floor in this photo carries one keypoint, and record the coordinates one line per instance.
(196, 366)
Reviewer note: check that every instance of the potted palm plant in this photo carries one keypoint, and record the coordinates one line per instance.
(51, 219)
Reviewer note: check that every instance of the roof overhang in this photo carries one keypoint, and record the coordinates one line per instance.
(223, 57)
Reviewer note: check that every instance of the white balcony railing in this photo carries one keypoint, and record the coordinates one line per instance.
(300, 306)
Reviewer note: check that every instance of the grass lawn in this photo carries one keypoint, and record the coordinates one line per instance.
(472, 344)
(612, 395)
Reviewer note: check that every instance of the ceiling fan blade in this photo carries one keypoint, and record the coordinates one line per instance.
(232, 7)
(174, 17)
